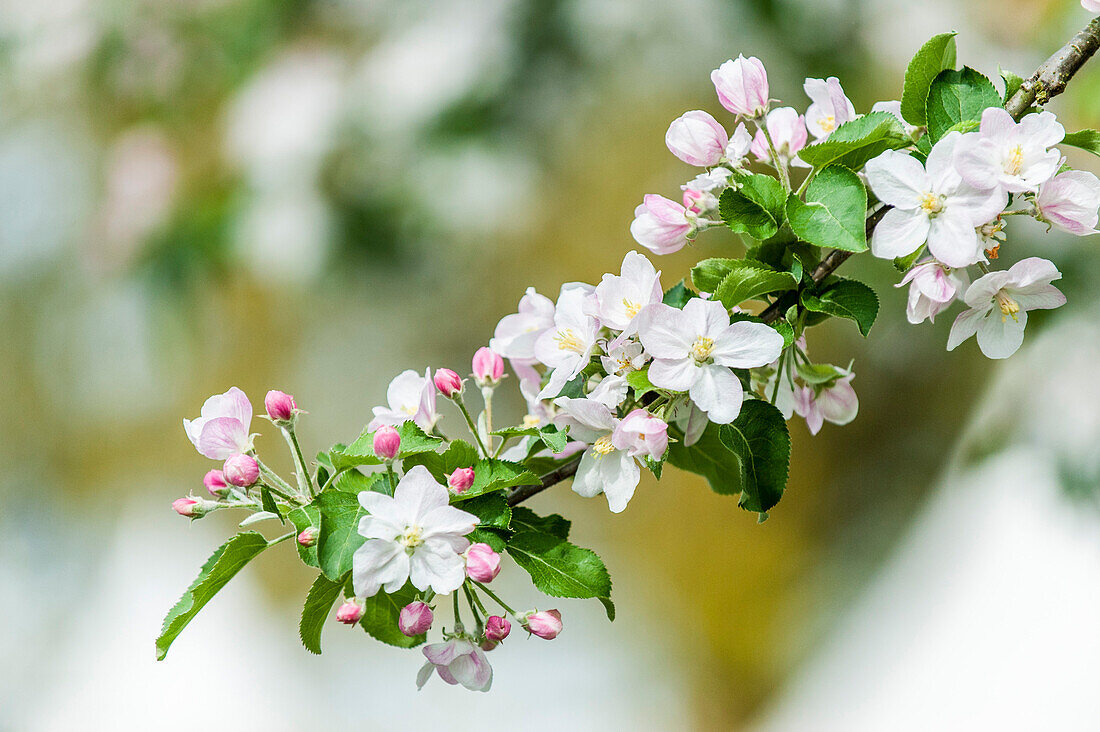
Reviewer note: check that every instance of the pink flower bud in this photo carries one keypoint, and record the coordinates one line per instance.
(308, 537)
(697, 139)
(189, 507)
(497, 628)
(461, 479)
(387, 442)
(545, 624)
(448, 382)
(742, 86)
(280, 406)
(350, 612)
(488, 645)
(482, 563)
(488, 367)
(661, 225)
(415, 618)
(241, 470)
(214, 480)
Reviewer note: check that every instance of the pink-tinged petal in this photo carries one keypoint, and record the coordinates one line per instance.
(899, 233)
(1001, 336)
(1042, 129)
(443, 572)
(424, 674)
(697, 139)
(980, 294)
(1041, 297)
(418, 493)
(996, 122)
(223, 437)
(675, 374)
(443, 654)
(839, 403)
(1031, 271)
(445, 674)
(620, 475)
(232, 403)
(589, 413)
(744, 345)
(965, 325)
(470, 671)
(806, 406)
(897, 179)
(664, 331)
(953, 240)
(719, 393)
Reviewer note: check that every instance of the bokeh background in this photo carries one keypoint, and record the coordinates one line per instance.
(314, 195)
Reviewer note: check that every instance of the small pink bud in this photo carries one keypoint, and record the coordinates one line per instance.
(461, 479)
(189, 507)
(545, 624)
(448, 382)
(488, 367)
(742, 86)
(350, 612)
(280, 406)
(214, 480)
(308, 537)
(482, 563)
(386, 442)
(415, 618)
(497, 628)
(241, 470)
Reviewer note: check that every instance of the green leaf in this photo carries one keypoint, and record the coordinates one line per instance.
(459, 454)
(958, 96)
(708, 457)
(784, 329)
(495, 538)
(1012, 83)
(574, 388)
(340, 514)
(818, 373)
(553, 438)
(561, 569)
(268, 503)
(524, 519)
(735, 280)
(854, 143)
(491, 509)
(845, 299)
(677, 295)
(756, 209)
(355, 482)
(937, 55)
(380, 614)
(318, 603)
(902, 264)
(223, 564)
(361, 452)
(707, 274)
(834, 213)
(762, 444)
(494, 475)
(304, 517)
(640, 383)
(1084, 139)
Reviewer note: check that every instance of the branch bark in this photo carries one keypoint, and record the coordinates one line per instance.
(1048, 81)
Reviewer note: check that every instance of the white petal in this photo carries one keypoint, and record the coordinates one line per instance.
(965, 325)
(1000, 336)
(953, 240)
(376, 563)
(665, 331)
(719, 393)
(587, 482)
(444, 572)
(746, 345)
(897, 179)
(839, 403)
(448, 520)
(899, 233)
(675, 374)
(707, 317)
(620, 475)
(418, 493)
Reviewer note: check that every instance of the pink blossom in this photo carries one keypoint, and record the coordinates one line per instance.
(386, 442)
(349, 612)
(410, 397)
(415, 619)
(241, 470)
(460, 480)
(308, 537)
(933, 286)
(642, 435)
(1008, 155)
(488, 367)
(221, 430)
(214, 480)
(545, 624)
(280, 406)
(482, 563)
(661, 225)
(189, 507)
(835, 403)
(1070, 201)
(448, 382)
(515, 334)
(1093, 6)
(830, 109)
(497, 628)
(697, 139)
(457, 661)
(788, 132)
(742, 86)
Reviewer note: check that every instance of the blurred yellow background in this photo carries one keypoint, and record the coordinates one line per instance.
(315, 195)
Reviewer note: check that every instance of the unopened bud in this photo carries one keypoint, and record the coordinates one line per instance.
(448, 382)
(415, 618)
(214, 480)
(280, 406)
(488, 367)
(497, 628)
(189, 507)
(545, 624)
(461, 479)
(350, 612)
(241, 470)
(386, 442)
(308, 537)
(482, 563)
(488, 645)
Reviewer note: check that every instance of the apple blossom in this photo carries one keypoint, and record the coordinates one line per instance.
(482, 563)
(642, 435)
(999, 303)
(409, 396)
(457, 661)
(221, 430)
(696, 138)
(623, 356)
(497, 628)
(611, 391)
(448, 382)
(515, 334)
(930, 203)
(568, 346)
(621, 297)
(697, 203)
(214, 480)
(1093, 6)
(693, 350)
(460, 480)
(280, 406)
(737, 149)
(189, 507)
(742, 86)
(932, 288)
(718, 178)
(487, 366)
(386, 442)
(1070, 201)
(415, 619)
(604, 468)
(241, 470)
(830, 108)
(350, 611)
(545, 624)
(308, 537)
(1008, 155)
(413, 535)
(660, 225)
(835, 402)
(788, 132)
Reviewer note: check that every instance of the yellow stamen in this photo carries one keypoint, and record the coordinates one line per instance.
(568, 341)
(1007, 305)
(1015, 162)
(701, 349)
(632, 308)
(603, 445)
(931, 203)
(827, 124)
(412, 537)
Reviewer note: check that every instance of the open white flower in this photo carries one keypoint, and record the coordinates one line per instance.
(932, 289)
(621, 297)
(516, 334)
(694, 349)
(830, 109)
(409, 396)
(605, 467)
(999, 302)
(221, 429)
(1008, 155)
(930, 203)
(457, 661)
(568, 345)
(413, 535)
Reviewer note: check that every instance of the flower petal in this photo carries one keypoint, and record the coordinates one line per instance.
(417, 493)
(675, 374)
(1001, 336)
(222, 437)
(719, 393)
(897, 179)
(664, 331)
(745, 345)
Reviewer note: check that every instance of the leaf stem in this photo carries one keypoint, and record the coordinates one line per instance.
(495, 599)
(779, 165)
(457, 398)
(305, 484)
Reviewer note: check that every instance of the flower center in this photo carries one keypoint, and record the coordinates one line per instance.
(1007, 305)
(625, 365)
(410, 410)
(530, 420)
(702, 348)
(631, 308)
(1015, 162)
(412, 537)
(931, 204)
(603, 445)
(568, 341)
(827, 124)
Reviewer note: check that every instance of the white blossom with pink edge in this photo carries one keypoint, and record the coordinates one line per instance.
(694, 349)
(1009, 155)
(999, 303)
(457, 661)
(221, 429)
(933, 286)
(605, 467)
(515, 334)
(830, 109)
(788, 132)
(742, 86)
(661, 225)
(697, 138)
(409, 396)
(1070, 201)
(642, 434)
(931, 203)
(567, 347)
(412, 536)
(835, 403)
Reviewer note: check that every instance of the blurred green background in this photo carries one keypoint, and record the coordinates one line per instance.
(316, 195)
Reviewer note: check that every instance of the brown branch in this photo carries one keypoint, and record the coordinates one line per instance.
(1048, 81)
